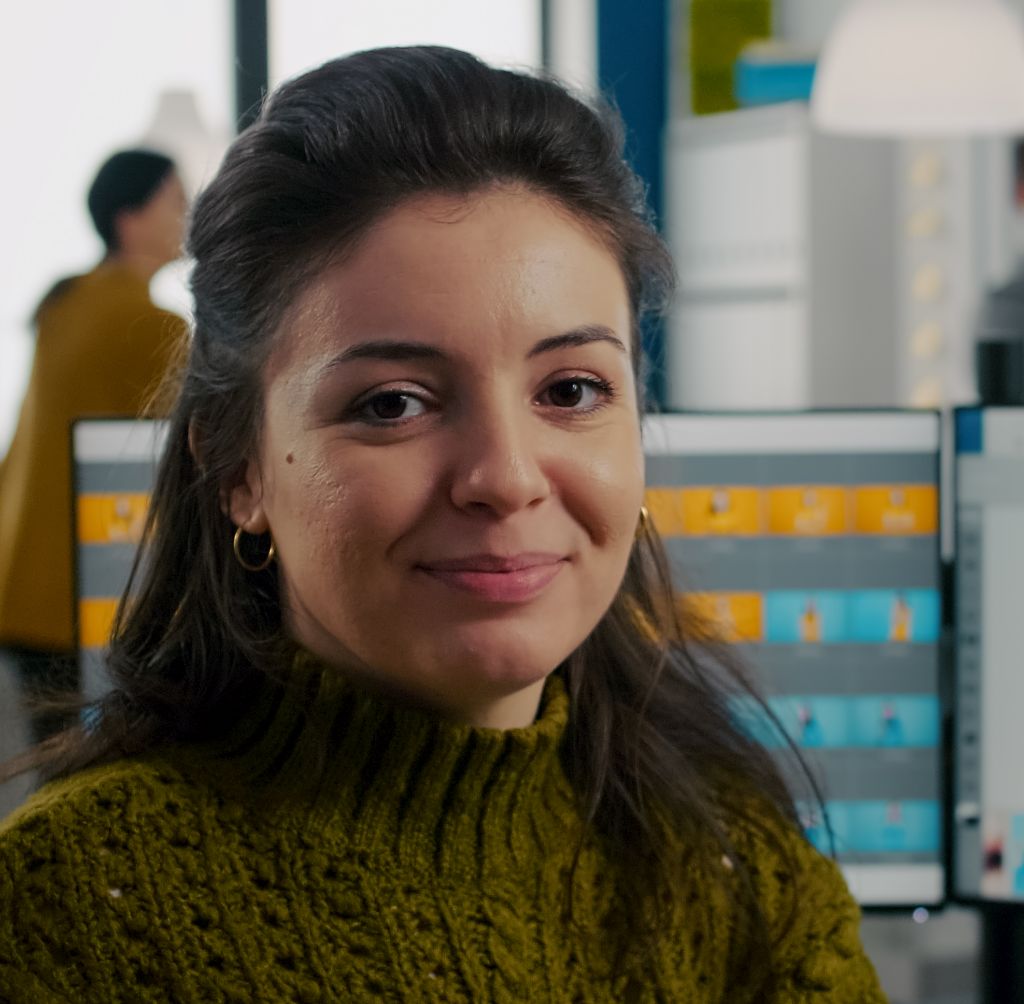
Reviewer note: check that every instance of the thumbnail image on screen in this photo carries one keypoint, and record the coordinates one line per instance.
(811, 542)
(988, 785)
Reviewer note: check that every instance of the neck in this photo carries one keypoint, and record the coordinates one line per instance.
(144, 266)
(480, 709)
(515, 711)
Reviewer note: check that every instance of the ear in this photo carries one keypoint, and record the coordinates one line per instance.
(243, 503)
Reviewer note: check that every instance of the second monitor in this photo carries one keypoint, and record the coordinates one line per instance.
(812, 542)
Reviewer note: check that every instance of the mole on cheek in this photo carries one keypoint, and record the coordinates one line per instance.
(289, 459)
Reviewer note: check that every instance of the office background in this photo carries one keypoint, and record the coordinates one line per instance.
(854, 278)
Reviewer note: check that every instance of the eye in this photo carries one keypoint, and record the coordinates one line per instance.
(579, 393)
(391, 406)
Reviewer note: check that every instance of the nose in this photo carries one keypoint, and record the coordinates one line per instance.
(499, 467)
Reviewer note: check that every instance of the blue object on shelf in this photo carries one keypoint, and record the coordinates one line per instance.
(767, 74)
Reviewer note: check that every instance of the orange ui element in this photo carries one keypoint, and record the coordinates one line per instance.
(111, 518)
(808, 510)
(665, 506)
(896, 510)
(722, 511)
(728, 617)
(95, 620)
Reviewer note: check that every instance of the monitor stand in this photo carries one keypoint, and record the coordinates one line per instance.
(1002, 953)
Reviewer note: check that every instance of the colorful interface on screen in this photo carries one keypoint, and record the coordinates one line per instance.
(114, 467)
(988, 787)
(811, 543)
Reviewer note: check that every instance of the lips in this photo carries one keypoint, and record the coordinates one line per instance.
(498, 578)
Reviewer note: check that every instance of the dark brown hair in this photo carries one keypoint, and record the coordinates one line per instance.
(653, 749)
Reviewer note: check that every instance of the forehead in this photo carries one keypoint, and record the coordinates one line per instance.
(499, 265)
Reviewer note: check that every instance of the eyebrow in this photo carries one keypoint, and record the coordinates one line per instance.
(585, 335)
(394, 350)
(386, 349)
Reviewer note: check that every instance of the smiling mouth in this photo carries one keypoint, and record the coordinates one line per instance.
(495, 579)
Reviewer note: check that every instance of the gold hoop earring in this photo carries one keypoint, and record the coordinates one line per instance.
(643, 523)
(236, 545)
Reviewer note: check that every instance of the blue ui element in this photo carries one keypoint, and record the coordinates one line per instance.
(792, 616)
(752, 719)
(813, 822)
(814, 722)
(1015, 854)
(910, 826)
(895, 721)
(879, 616)
(970, 431)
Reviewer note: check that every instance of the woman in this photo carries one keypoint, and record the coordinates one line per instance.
(103, 347)
(403, 706)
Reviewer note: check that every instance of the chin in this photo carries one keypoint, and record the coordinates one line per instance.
(500, 671)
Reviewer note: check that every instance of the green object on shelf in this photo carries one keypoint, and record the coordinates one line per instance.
(719, 29)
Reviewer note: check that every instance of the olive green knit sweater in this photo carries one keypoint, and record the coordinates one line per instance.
(427, 863)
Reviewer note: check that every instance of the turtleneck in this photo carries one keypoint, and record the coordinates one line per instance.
(403, 783)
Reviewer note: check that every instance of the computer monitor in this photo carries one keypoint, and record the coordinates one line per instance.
(988, 748)
(113, 465)
(812, 540)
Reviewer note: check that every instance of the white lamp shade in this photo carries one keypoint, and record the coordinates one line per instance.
(922, 68)
(177, 129)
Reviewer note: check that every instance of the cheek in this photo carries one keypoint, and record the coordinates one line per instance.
(340, 515)
(605, 492)
(310, 516)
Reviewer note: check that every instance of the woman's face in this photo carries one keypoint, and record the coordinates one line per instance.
(450, 461)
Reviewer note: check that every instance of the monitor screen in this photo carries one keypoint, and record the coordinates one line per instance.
(114, 463)
(988, 777)
(812, 541)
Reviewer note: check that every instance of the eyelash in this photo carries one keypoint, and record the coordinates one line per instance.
(604, 389)
(361, 410)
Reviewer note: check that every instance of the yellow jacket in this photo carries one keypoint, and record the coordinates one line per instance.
(102, 349)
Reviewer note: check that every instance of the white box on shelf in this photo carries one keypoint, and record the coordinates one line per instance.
(785, 244)
(758, 342)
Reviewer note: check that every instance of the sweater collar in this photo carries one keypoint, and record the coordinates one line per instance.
(401, 783)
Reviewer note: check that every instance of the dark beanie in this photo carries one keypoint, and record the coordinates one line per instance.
(127, 180)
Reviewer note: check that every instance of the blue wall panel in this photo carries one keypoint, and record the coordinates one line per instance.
(631, 67)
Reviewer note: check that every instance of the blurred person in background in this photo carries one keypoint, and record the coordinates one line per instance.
(102, 347)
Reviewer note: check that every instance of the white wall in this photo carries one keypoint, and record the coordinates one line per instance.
(305, 33)
(79, 80)
(806, 22)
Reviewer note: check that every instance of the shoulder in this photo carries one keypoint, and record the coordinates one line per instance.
(812, 918)
(76, 862)
(76, 835)
(97, 800)
(61, 833)
(61, 288)
(96, 791)
(778, 859)
(114, 297)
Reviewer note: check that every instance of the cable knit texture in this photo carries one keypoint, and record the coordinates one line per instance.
(427, 862)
